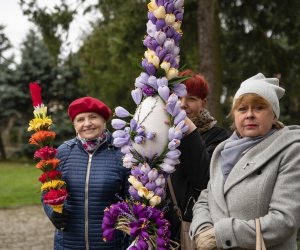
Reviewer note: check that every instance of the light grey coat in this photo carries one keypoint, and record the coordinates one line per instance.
(265, 184)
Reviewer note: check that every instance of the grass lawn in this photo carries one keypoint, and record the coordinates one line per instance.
(19, 185)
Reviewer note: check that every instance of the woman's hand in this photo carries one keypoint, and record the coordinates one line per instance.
(206, 240)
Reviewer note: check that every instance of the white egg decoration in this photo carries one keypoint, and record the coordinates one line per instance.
(152, 115)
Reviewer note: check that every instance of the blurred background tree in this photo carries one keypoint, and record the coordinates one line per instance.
(227, 41)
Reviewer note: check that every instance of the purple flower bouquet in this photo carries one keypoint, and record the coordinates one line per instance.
(150, 137)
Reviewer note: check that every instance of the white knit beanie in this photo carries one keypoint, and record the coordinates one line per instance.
(268, 88)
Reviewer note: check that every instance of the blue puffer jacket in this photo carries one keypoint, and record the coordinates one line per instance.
(92, 183)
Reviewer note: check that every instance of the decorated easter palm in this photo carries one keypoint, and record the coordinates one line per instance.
(150, 137)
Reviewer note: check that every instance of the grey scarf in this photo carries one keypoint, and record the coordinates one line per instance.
(234, 147)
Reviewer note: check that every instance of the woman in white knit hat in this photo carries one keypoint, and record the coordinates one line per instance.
(255, 174)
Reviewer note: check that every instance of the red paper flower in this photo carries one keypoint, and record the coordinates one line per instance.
(55, 197)
(51, 175)
(45, 153)
(35, 91)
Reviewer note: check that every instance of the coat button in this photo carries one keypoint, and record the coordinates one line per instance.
(228, 243)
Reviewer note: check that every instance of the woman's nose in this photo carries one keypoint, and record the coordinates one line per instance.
(250, 113)
(183, 103)
(87, 122)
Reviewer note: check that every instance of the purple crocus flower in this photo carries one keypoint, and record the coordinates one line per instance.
(179, 117)
(171, 161)
(164, 92)
(182, 126)
(180, 89)
(173, 154)
(118, 123)
(152, 82)
(149, 67)
(133, 124)
(176, 37)
(174, 134)
(169, 57)
(145, 168)
(160, 37)
(169, 45)
(137, 95)
(119, 133)
(160, 52)
(160, 2)
(160, 181)
(178, 14)
(151, 17)
(159, 191)
(160, 23)
(169, 7)
(144, 77)
(150, 42)
(140, 130)
(121, 112)
(136, 172)
(149, 91)
(167, 168)
(162, 81)
(169, 30)
(151, 28)
(150, 185)
(141, 80)
(134, 194)
(178, 4)
(153, 174)
(173, 105)
(120, 142)
(150, 135)
(144, 179)
(139, 139)
(176, 109)
(173, 144)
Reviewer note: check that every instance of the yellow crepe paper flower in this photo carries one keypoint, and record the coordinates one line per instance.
(54, 184)
(38, 124)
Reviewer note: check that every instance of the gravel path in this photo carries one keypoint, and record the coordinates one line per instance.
(25, 228)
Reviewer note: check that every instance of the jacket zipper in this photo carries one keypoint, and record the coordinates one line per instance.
(86, 203)
(86, 198)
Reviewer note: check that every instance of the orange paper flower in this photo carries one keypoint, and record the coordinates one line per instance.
(48, 165)
(42, 138)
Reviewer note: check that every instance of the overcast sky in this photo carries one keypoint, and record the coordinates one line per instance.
(17, 25)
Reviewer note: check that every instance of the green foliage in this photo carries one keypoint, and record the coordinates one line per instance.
(262, 37)
(59, 87)
(19, 184)
(52, 24)
(110, 53)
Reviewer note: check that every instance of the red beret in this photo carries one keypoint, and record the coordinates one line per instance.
(88, 104)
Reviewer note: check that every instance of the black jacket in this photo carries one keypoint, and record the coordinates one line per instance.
(192, 174)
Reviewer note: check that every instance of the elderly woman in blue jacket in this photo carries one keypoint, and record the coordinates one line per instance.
(95, 177)
(254, 174)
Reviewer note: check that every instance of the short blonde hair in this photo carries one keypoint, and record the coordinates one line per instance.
(251, 98)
